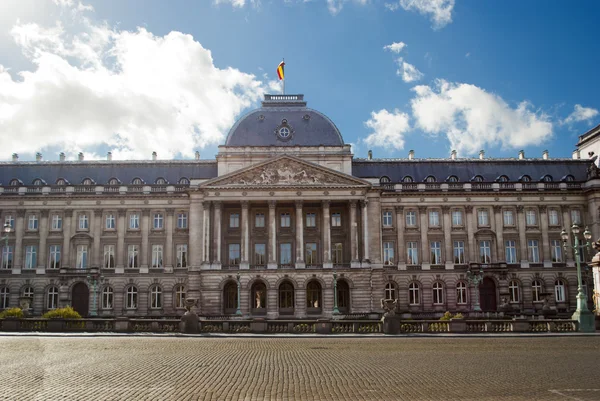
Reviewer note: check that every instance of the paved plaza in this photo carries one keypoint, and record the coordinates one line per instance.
(332, 368)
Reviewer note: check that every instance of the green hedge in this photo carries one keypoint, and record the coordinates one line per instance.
(62, 313)
(12, 312)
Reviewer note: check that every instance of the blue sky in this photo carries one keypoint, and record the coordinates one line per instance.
(137, 76)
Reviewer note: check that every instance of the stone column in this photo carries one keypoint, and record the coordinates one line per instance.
(245, 240)
(566, 212)
(66, 249)
(470, 234)
(365, 225)
(401, 247)
(272, 257)
(522, 236)
(449, 255)
(547, 257)
(97, 255)
(500, 254)
(374, 220)
(424, 227)
(327, 264)
(299, 236)
(195, 245)
(217, 241)
(18, 251)
(168, 256)
(145, 227)
(205, 233)
(355, 261)
(121, 254)
(41, 262)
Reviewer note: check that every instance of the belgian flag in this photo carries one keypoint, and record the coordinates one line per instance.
(280, 70)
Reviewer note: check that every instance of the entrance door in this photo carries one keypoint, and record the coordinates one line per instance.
(487, 295)
(81, 299)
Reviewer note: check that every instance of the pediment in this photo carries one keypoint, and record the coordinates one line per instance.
(286, 171)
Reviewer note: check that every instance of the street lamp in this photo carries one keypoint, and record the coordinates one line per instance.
(336, 311)
(92, 280)
(582, 314)
(475, 278)
(238, 311)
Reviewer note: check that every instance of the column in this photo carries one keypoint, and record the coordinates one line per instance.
(216, 264)
(448, 237)
(66, 249)
(120, 263)
(195, 245)
(500, 254)
(168, 256)
(567, 227)
(425, 257)
(299, 236)
(41, 262)
(96, 228)
(366, 261)
(355, 261)
(145, 227)
(545, 240)
(470, 234)
(272, 264)
(401, 256)
(245, 240)
(522, 236)
(374, 220)
(205, 233)
(19, 231)
(327, 264)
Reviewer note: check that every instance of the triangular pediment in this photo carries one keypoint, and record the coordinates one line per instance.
(286, 171)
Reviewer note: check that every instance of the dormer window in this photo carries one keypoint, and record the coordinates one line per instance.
(184, 181)
(87, 181)
(547, 178)
(113, 181)
(430, 178)
(61, 181)
(407, 178)
(15, 182)
(502, 178)
(37, 182)
(525, 178)
(478, 178)
(384, 180)
(569, 178)
(452, 178)
(161, 181)
(137, 181)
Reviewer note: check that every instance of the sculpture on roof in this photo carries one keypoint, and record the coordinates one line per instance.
(593, 171)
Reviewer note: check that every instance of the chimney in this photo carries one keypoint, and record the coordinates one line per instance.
(38, 157)
(545, 154)
(370, 157)
(109, 156)
(15, 157)
(481, 154)
(453, 155)
(80, 156)
(197, 155)
(61, 156)
(411, 154)
(154, 155)
(521, 154)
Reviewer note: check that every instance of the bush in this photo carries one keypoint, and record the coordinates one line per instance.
(458, 316)
(62, 313)
(447, 316)
(12, 312)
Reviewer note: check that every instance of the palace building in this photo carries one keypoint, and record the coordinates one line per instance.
(283, 213)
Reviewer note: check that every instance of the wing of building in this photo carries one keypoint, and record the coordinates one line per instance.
(288, 213)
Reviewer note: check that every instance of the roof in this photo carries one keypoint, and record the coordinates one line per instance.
(308, 127)
(589, 135)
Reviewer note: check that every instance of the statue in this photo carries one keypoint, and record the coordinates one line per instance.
(391, 325)
(190, 319)
(593, 171)
(389, 306)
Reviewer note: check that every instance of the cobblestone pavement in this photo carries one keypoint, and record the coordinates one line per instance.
(147, 368)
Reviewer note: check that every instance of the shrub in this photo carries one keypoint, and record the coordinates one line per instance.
(12, 312)
(447, 316)
(458, 316)
(62, 313)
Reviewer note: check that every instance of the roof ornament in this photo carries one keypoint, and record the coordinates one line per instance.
(284, 131)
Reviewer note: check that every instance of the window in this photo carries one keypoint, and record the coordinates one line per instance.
(478, 178)
(503, 178)
(137, 181)
(181, 255)
(184, 181)
(533, 251)
(336, 220)
(412, 256)
(576, 217)
(113, 181)
(87, 181)
(83, 222)
(7, 257)
(180, 297)
(434, 218)
(509, 218)
(10, 221)
(107, 298)
(259, 220)
(234, 254)
(483, 218)
(311, 220)
(54, 257)
(547, 178)
(436, 252)
(28, 293)
(4, 297)
(157, 256)
(259, 254)
(413, 294)
(411, 219)
(343, 296)
(569, 178)
(61, 181)
(155, 297)
(158, 221)
(526, 178)
(311, 253)
(234, 220)
(109, 257)
(553, 217)
(513, 291)
(285, 220)
(390, 291)
(387, 219)
(182, 221)
(452, 178)
(536, 291)
(230, 299)
(160, 181)
(511, 251)
(110, 222)
(32, 223)
(438, 293)
(388, 253)
(313, 296)
(82, 257)
(559, 290)
(556, 250)
(337, 254)
(461, 293)
(485, 251)
(131, 297)
(286, 296)
(134, 221)
(285, 254)
(459, 252)
(30, 257)
(132, 256)
(56, 222)
(52, 300)
(530, 218)
(259, 297)
(430, 178)
(457, 219)
(15, 182)
(407, 178)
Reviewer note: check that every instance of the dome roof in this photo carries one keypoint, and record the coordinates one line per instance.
(284, 120)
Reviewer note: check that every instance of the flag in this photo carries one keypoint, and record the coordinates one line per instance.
(280, 70)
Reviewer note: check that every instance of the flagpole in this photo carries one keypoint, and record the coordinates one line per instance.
(283, 60)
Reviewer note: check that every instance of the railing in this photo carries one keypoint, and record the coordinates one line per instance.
(409, 187)
(284, 97)
(86, 189)
(159, 188)
(529, 186)
(57, 189)
(481, 186)
(507, 185)
(551, 185)
(286, 266)
(388, 187)
(136, 188)
(432, 186)
(454, 186)
(230, 267)
(11, 190)
(180, 188)
(35, 190)
(573, 185)
(111, 189)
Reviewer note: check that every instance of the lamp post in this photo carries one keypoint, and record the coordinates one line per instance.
(238, 311)
(582, 314)
(475, 279)
(336, 311)
(6, 230)
(92, 280)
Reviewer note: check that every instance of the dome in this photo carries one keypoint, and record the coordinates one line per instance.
(284, 120)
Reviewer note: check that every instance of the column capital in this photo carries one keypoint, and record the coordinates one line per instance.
(326, 203)
(170, 211)
(399, 209)
(67, 212)
(272, 204)
(299, 204)
(364, 202)
(353, 203)
(520, 209)
(206, 205)
(497, 208)
(245, 204)
(97, 212)
(145, 212)
(468, 209)
(122, 212)
(565, 208)
(45, 213)
(543, 208)
(445, 209)
(218, 205)
(422, 209)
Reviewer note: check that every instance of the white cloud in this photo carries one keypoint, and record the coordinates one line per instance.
(474, 119)
(387, 128)
(234, 3)
(408, 72)
(440, 11)
(335, 6)
(130, 92)
(580, 114)
(395, 47)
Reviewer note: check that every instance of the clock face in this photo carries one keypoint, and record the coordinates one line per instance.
(284, 132)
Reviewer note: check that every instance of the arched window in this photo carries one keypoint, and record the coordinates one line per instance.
(113, 181)
(61, 181)
(536, 291)
(230, 298)
(87, 181)
(343, 296)
(547, 178)
(560, 290)
(384, 179)
(179, 297)
(390, 291)
(155, 297)
(414, 297)
(478, 178)
(184, 181)
(513, 291)
(461, 293)
(569, 178)
(137, 181)
(131, 297)
(430, 178)
(107, 298)
(525, 178)
(161, 181)
(438, 293)
(4, 297)
(286, 298)
(14, 182)
(259, 298)
(452, 178)
(52, 299)
(503, 178)
(313, 297)
(407, 178)
(37, 182)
